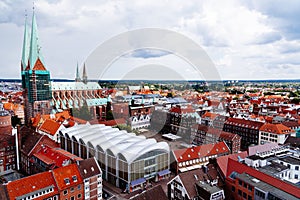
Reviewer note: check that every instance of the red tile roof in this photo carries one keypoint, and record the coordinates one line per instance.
(200, 151)
(50, 126)
(31, 184)
(222, 161)
(210, 115)
(244, 123)
(276, 129)
(175, 109)
(67, 172)
(44, 140)
(282, 185)
(55, 156)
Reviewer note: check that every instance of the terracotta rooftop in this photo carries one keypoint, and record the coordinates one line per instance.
(31, 184)
(50, 126)
(200, 151)
(244, 123)
(55, 156)
(222, 161)
(64, 176)
(210, 115)
(276, 129)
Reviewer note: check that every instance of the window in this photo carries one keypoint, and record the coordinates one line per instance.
(250, 188)
(65, 192)
(233, 189)
(244, 195)
(296, 176)
(240, 182)
(249, 197)
(67, 181)
(74, 178)
(79, 196)
(297, 168)
(72, 189)
(240, 192)
(78, 187)
(72, 198)
(245, 185)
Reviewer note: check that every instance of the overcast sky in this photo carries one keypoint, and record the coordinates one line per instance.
(253, 40)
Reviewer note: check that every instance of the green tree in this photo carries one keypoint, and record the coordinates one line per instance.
(82, 113)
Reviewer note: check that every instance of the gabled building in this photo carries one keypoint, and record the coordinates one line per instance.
(39, 186)
(92, 178)
(277, 133)
(30, 143)
(47, 158)
(51, 128)
(69, 182)
(196, 184)
(183, 160)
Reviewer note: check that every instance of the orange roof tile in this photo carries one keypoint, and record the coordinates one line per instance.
(30, 184)
(222, 161)
(200, 151)
(50, 126)
(55, 156)
(67, 172)
(276, 128)
(210, 115)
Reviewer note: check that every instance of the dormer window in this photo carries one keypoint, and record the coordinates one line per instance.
(67, 181)
(74, 178)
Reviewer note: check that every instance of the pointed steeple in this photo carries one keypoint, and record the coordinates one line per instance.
(25, 50)
(77, 78)
(35, 48)
(84, 75)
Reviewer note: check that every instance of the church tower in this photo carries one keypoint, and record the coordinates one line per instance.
(77, 78)
(35, 76)
(84, 75)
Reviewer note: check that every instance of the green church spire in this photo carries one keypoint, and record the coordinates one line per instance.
(35, 48)
(25, 50)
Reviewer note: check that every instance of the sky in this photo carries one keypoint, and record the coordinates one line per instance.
(244, 39)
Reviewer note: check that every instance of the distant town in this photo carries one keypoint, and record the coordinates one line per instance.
(143, 139)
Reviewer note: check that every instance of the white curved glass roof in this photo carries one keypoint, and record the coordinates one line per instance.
(118, 142)
(133, 153)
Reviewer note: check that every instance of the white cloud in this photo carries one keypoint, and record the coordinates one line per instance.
(252, 40)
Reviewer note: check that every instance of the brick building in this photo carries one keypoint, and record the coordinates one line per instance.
(8, 157)
(248, 130)
(201, 134)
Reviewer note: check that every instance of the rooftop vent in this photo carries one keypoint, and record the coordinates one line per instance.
(255, 180)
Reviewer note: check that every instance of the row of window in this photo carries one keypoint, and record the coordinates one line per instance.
(34, 196)
(72, 189)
